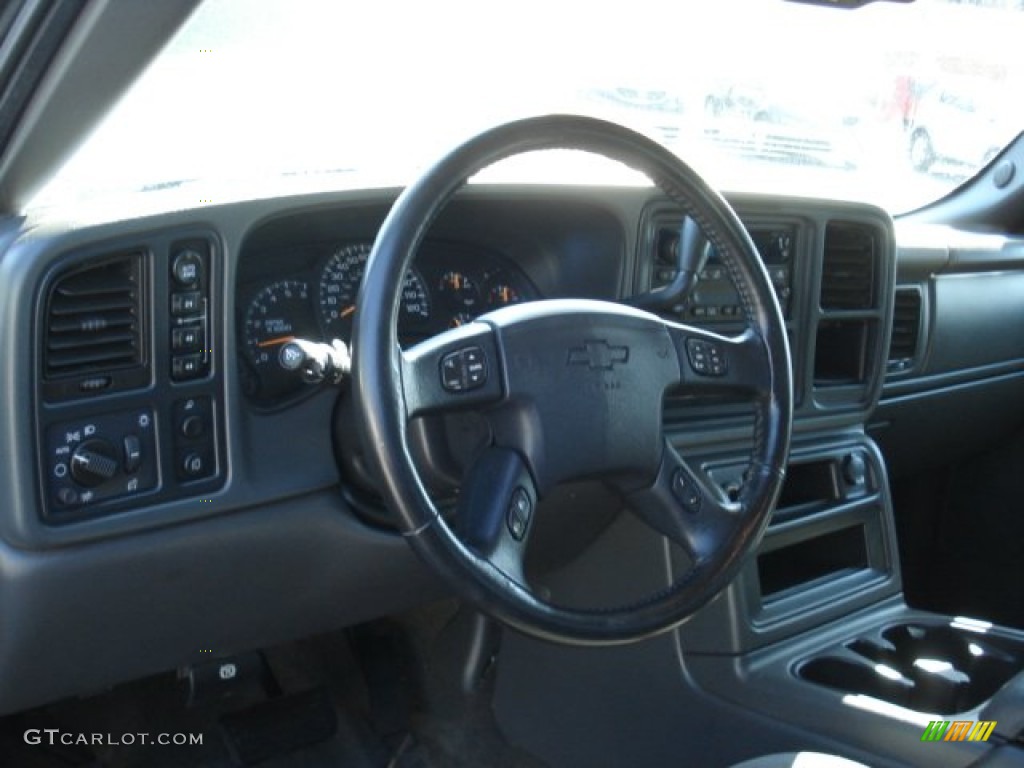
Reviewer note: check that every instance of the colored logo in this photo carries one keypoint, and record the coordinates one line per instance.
(958, 730)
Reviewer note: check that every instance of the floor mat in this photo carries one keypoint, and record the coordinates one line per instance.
(388, 694)
(311, 727)
(454, 727)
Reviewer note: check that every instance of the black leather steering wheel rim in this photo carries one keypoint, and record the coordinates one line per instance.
(389, 385)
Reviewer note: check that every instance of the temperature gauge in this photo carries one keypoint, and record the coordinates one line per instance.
(502, 295)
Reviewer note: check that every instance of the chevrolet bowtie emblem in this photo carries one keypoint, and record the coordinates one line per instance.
(598, 355)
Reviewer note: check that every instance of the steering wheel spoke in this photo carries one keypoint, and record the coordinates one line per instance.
(496, 510)
(718, 364)
(457, 369)
(682, 506)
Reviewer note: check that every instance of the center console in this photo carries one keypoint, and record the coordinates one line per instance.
(830, 547)
(814, 631)
(925, 665)
(818, 633)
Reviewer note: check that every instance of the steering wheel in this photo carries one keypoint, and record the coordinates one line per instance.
(571, 389)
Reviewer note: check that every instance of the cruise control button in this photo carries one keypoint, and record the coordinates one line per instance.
(520, 510)
(685, 491)
(451, 372)
(706, 358)
(464, 369)
(476, 368)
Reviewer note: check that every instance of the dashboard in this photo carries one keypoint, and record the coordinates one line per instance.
(159, 465)
(151, 343)
(166, 458)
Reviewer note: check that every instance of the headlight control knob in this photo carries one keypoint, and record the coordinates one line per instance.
(94, 462)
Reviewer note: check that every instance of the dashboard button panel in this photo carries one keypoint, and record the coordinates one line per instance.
(124, 449)
(194, 432)
(706, 357)
(464, 370)
(189, 311)
(715, 299)
(520, 511)
(685, 491)
(104, 457)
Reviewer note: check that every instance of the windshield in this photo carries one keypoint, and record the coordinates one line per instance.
(893, 103)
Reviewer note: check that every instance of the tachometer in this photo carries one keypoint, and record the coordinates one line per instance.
(339, 286)
(277, 314)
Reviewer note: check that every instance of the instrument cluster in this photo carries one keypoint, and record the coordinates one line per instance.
(313, 295)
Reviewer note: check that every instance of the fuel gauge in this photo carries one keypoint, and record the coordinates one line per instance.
(459, 292)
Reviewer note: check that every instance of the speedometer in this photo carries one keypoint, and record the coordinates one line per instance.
(339, 286)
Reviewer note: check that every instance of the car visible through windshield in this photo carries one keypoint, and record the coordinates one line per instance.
(789, 98)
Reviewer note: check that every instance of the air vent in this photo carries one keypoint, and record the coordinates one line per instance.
(848, 272)
(906, 329)
(93, 335)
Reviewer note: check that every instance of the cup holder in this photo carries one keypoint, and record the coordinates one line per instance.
(941, 668)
